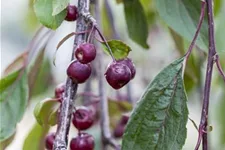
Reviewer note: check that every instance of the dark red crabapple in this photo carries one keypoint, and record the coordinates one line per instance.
(79, 72)
(120, 127)
(83, 118)
(117, 75)
(83, 141)
(72, 13)
(59, 90)
(118, 131)
(49, 140)
(130, 64)
(85, 53)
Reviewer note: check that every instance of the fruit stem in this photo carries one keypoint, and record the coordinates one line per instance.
(105, 42)
(209, 71)
(90, 34)
(67, 106)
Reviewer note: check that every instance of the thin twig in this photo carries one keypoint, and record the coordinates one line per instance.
(201, 18)
(66, 109)
(105, 42)
(219, 67)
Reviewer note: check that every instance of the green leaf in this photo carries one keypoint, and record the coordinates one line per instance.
(43, 10)
(35, 68)
(43, 80)
(136, 22)
(13, 103)
(118, 107)
(59, 6)
(183, 16)
(159, 119)
(119, 49)
(44, 110)
(35, 139)
(8, 80)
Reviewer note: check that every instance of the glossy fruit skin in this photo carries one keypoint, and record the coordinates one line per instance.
(79, 72)
(72, 13)
(49, 140)
(130, 64)
(59, 90)
(118, 75)
(83, 118)
(83, 141)
(85, 53)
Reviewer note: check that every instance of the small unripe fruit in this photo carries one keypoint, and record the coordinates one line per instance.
(130, 65)
(79, 72)
(85, 53)
(72, 13)
(59, 90)
(83, 118)
(117, 75)
(49, 140)
(83, 141)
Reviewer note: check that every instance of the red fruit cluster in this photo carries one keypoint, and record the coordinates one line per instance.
(83, 119)
(83, 141)
(120, 72)
(80, 70)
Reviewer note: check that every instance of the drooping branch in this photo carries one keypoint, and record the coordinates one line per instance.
(211, 59)
(66, 110)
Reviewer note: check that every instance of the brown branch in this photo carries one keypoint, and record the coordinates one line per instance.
(211, 53)
(66, 109)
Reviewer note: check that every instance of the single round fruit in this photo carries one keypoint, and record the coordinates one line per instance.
(72, 13)
(83, 118)
(130, 64)
(117, 75)
(83, 141)
(85, 53)
(79, 72)
(118, 131)
(49, 140)
(59, 90)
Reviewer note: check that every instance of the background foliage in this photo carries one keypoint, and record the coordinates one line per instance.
(163, 28)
